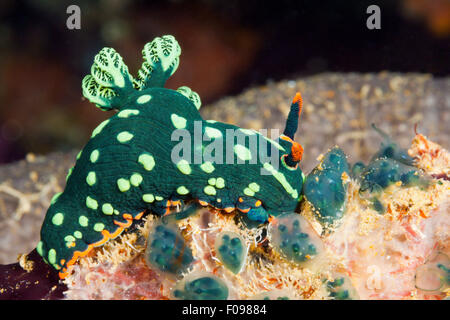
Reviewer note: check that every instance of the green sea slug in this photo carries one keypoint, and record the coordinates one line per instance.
(132, 165)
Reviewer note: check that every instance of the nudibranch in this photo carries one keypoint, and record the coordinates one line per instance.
(127, 168)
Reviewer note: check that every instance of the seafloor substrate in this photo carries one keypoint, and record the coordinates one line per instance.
(400, 253)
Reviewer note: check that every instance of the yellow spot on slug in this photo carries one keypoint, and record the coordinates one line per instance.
(149, 198)
(99, 128)
(184, 167)
(58, 219)
(136, 179)
(91, 203)
(128, 112)
(107, 208)
(220, 183)
(99, 227)
(52, 256)
(147, 161)
(69, 238)
(213, 132)
(249, 192)
(39, 248)
(124, 136)
(91, 178)
(210, 190)
(144, 99)
(123, 184)
(69, 173)
(182, 190)
(242, 152)
(282, 180)
(248, 131)
(94, 156)
(83, 221)
(178, 122)
(207, 167)
(254, 186)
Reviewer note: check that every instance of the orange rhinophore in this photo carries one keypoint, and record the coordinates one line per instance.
(298, 99)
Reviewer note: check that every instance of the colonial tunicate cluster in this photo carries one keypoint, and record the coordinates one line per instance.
(390, 165)
(167, 251)
(294, 238)
(326, 187)
(201, 286)
(231, 250)
(340, 288)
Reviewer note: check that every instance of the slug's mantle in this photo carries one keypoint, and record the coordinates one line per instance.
(126, 170)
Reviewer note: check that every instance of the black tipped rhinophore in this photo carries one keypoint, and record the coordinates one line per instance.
(293, 117)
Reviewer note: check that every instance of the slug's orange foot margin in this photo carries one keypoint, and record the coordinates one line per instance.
(106, 236)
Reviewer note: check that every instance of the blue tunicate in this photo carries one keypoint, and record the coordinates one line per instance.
(377, 205)
(295, 239)
(341, 288)
(231, 251)
(202, 287)
(325, 189)
(382, 173)
(357, 169)
(389, 149)
(391, 164)
(336, 160)
(166, 250)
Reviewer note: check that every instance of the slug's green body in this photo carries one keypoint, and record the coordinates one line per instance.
(128, 165)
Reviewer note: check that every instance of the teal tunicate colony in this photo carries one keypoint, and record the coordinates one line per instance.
(391, 164)
(138, 161)
(167, 250)
(201, 287)
(295, 239)
(341, 288)
(326, 188)
(231, 250)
